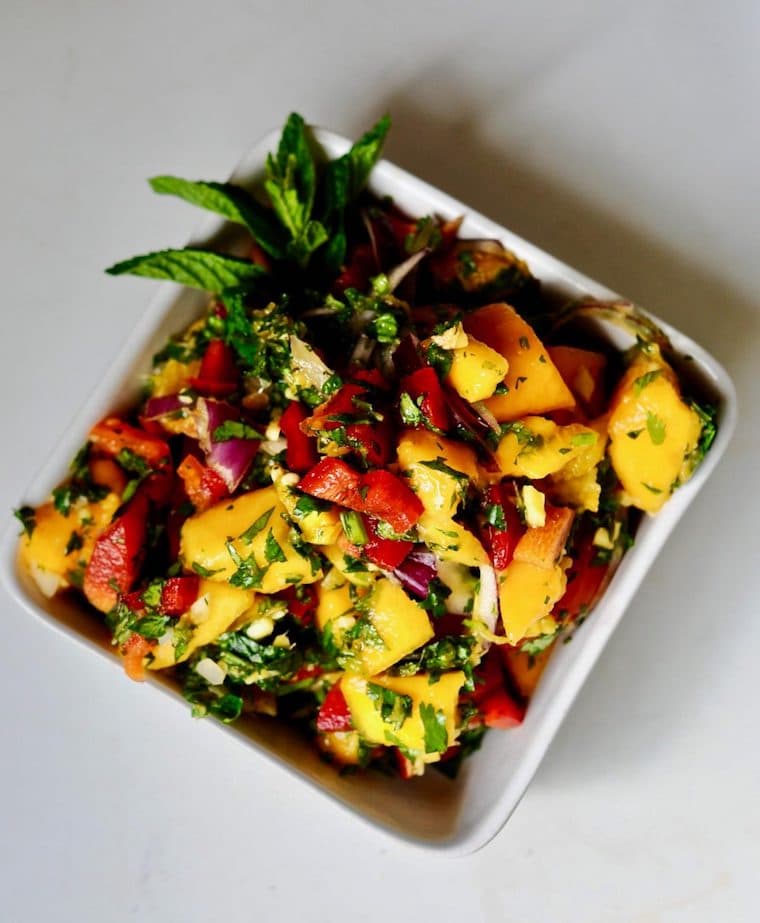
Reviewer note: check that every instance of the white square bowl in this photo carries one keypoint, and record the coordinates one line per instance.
(455, 817)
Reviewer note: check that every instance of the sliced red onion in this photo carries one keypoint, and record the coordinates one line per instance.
(231, 458)
(397, 275)
(164, 406)
(416, 572)
(474, 427)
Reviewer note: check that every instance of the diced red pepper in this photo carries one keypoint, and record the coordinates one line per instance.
(501, 543)
(500, 710)
(219, 374)
(378, 493)
(372, 377)
(134, 601)
(390, 499)
(112, 436)
(334, 480)
(334, 714)
(386, 553)
(203, 486)
(585, 582)
(301, 451)
(424, 387)
(373, 441)
(404, 764)
(178, 594)
(488, 676)
(341, 404)
(302, 602)
(116, 557)
(360, 267)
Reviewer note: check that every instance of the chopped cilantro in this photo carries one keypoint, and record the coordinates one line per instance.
(258, 526)
(646, 379)
(26, 515)
(434, 725)
(272, 550)
(234, 429)
(655, 428)
(394, 707)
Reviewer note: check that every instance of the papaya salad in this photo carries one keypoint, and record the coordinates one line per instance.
(376, 482)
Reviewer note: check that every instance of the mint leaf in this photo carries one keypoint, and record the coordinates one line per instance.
(272, 550)
(234, 429)
(434, 724)
(258, 526)
(203, 269)
(291, 177)
(231, 202)
(364, 154)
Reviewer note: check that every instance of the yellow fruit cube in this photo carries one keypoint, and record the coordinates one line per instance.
(476, 370)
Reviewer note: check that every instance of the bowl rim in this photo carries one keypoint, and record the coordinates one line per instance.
(607, 612)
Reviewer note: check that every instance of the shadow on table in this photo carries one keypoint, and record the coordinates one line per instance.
(451, 152)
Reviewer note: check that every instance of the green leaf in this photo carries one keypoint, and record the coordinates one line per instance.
(203, 269)
(536, 645)
(655, 428)
(434, 724)
(394, 707)
(253, 530)
(353, 527)
(708, 417)
(272, 550)
(205, 572)
(364, 154)
(646, 379)
(234, 429)
(231, 202)
(291, 177)
(26, 516)
(583, 439)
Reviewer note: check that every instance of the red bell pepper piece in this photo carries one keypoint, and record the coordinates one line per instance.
(302, 602)
(341, 404)
(390, 499)
(360, 267)
(500, 710)
(334, 480)
(117, 555)
(372, 441)
(378, 493)
(488, 676)
(203, 486)
(386, 553)
(501, 543)
(585, 582)
(112, 436)
(372, 377)
(134, 652)
(178, 594)
(219, 373)
(334, 714)
(301, 451)
(424, 387)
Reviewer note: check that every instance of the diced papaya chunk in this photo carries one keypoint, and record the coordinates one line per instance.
(534, 384)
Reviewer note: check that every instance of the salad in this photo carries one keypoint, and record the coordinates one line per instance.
(373, 486)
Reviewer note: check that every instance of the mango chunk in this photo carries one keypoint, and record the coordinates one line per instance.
(583, 372)
(250, 537)
(396, 626)
(450, 540)
(476, 370)
(218, 606)
(416, 706)
(652, 431)
(535, 386)
(527, 594)
(332, 603)
(535, 447)
(526, 669)
(439, 470)
(60, 546)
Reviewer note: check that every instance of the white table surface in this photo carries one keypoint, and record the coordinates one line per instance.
(624, 138)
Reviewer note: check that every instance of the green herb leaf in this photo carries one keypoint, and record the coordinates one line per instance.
(582, 439)
(258, 526)
(434, 724)
(74, 543)
(272, 550)
(231, 202)
(234, 429)
(26, 515)
(203, 269)
(204, 571)
(394, 707)
(353, 527)
(643, 380)
(410, 412)
(655, 428)
(495, 516)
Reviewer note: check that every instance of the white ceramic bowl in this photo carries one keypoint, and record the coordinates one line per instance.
(455, 817)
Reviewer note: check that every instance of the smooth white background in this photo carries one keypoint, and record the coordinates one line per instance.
(622, 137)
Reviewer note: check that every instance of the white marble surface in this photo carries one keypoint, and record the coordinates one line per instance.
(623, 137)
